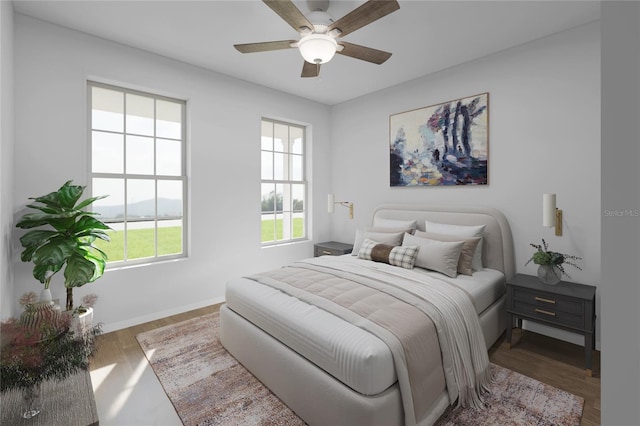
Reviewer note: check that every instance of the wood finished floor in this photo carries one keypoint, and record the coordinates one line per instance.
(128, 393)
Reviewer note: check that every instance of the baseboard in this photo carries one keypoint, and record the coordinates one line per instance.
(106, 328)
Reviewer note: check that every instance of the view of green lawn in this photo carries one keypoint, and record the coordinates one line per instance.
(271, 228)
(141, 243)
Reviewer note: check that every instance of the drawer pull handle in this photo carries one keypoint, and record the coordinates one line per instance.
(326, 252)
(540, 311)
(540, 299)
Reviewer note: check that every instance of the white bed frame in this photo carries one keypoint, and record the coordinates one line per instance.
(316, 396)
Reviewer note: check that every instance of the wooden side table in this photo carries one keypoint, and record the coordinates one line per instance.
(567, 306)
(331, 248)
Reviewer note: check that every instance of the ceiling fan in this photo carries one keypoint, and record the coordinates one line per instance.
(319, 33)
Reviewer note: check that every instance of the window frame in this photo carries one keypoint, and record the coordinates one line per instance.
(303, 181)
(183, 177)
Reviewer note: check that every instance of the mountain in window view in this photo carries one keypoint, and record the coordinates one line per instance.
(140, 209)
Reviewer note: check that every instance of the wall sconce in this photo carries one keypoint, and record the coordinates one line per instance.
(331, 202)
(551, 215)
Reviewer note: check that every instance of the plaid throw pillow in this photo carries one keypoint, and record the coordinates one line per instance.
(403, 256)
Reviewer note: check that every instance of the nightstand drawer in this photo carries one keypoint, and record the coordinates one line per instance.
(545, 300)
(331, 248)
(324, 251)
(548, 313)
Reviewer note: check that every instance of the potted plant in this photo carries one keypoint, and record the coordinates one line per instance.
(550, 263)
(41, 346)
(64, 239)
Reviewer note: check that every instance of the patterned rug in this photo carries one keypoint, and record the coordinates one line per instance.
(207, 386)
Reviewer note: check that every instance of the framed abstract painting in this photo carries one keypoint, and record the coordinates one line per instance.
(440, 145)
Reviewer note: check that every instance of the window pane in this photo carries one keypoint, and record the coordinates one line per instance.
(297, 194)
(286, 197)
(140, 113)
(140, 198)
(268, 197)
(281, 137)
(140, 156)
(296, 139)
(141, 240)
(268, 228)
(168, 119)
(111, 207)
(168, 157)
(107, 152)
(298, 225)
(267, 165)
(107, 109)
(296, 167)
(169, 198)
(115, 247)
(279, 227)
(267, 135)
(169, 237)
(279, 171)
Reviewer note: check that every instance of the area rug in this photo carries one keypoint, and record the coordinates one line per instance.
(207, 386)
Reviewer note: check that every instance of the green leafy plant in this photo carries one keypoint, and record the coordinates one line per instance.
(543, 256)
(67, 240)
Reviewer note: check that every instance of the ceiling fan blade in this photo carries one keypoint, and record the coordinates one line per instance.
(264, 46)
(310, 70)
(364, 53)
(290, 13)
(364, 15)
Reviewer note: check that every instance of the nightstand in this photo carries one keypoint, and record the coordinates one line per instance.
(331, 248)
(567, 306)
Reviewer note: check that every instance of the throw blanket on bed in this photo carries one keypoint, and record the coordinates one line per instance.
(387, 300)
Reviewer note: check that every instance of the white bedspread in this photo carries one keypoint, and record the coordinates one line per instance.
(464, 355)
(352, 355)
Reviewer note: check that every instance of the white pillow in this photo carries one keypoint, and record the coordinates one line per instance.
(390, 238)
(438, 256)
(460, 231)
(379, 222)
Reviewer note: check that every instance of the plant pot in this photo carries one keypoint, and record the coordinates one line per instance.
(83, 322)
(45, 295)
(549, 274)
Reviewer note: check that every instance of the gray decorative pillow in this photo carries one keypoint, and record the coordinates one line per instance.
(379, 222)
(392, 238)
(404, 256)
(465, 263)
(438, 256)
(465, 231)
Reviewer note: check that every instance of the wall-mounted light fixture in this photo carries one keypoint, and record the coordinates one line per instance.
(331, 202)
(551, 215)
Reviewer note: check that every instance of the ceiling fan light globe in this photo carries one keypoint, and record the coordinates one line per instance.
(317, 48)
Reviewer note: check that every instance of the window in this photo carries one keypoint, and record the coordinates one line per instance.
(138, 158)
(284, 187)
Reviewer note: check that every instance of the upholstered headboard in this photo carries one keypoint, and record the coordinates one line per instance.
(497, 249)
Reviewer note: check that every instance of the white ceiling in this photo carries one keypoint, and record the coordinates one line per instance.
(424, 36)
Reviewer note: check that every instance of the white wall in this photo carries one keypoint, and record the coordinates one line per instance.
(6, 158)
(544, 131)
(52, 65)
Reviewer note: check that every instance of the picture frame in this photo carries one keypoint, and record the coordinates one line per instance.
(444, 144)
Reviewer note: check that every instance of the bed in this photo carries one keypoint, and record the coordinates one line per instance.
(333, 369)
